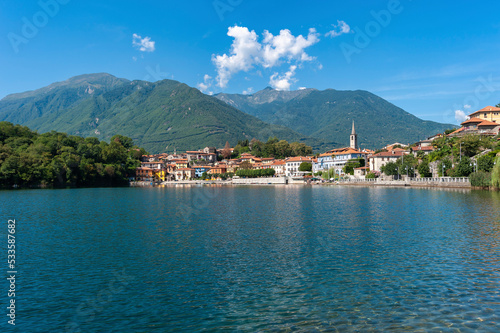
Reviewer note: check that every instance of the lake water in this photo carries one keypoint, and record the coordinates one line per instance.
(269, 258)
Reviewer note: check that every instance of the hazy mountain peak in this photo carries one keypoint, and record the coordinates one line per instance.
(88, 82)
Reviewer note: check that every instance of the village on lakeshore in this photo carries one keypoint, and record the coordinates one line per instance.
(445, 157)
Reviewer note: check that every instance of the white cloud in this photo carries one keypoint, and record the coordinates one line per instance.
(249, 91)
(467, 106)
(283, 82)
(302, 88)
(286, 46)
(339, 29)
(247, 52)
(206, 84)
(460, 116)
(143, 44)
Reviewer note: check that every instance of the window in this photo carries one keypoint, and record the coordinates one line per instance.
(485, 115)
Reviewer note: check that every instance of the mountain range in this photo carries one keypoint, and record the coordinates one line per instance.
(167, 114)
(328, 115)
(159, 116)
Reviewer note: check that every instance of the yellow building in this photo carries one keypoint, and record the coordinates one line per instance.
(490, 113)
(180, 163)
(161, 174)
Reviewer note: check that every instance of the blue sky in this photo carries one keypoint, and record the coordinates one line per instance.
(436, 60)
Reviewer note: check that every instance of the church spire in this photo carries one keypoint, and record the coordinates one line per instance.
(354, 138)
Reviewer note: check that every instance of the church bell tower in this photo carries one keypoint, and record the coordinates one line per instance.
(354, 138)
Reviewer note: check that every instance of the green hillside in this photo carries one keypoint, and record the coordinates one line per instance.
(328, 115)
(157, 116)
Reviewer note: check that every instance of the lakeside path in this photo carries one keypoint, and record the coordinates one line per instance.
(396, 183)
(402, 183)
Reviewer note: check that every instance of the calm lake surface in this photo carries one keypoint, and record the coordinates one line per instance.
(280, 258)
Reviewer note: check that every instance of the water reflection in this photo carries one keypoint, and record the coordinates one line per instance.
(262, 258)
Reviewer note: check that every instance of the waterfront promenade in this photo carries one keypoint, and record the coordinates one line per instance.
(449, 182)
(445, 182)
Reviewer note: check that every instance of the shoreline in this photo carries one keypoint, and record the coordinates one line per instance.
(394, 184)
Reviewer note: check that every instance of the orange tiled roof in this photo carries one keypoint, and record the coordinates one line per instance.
(388, 154)
(488, 123)
(457, 131)
(426, 148)
(486, 109)
(299, 159)
(472, 121)
(342, 151)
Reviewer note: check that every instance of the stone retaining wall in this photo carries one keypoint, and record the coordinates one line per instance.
(266, 180)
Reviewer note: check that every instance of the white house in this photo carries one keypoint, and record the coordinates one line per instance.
(382, 158)
(292, 165)
(337, 159)
(279, 167)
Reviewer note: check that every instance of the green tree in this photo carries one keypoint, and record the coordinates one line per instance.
(123, 140)
(445, 165)
(58, 159)
(282, 149)
(480, 179)
(305, 166)
(300, 149)
(407, 165)
(464, 167)
(390, 169)
(472, 144)
(495, 174)
(353, 164)
(424, 170)
(485, 163)
(370, 175)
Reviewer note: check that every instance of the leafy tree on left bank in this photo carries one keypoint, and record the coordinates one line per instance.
(58, 159)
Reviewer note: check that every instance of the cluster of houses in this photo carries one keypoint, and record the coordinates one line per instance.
(193, 164)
